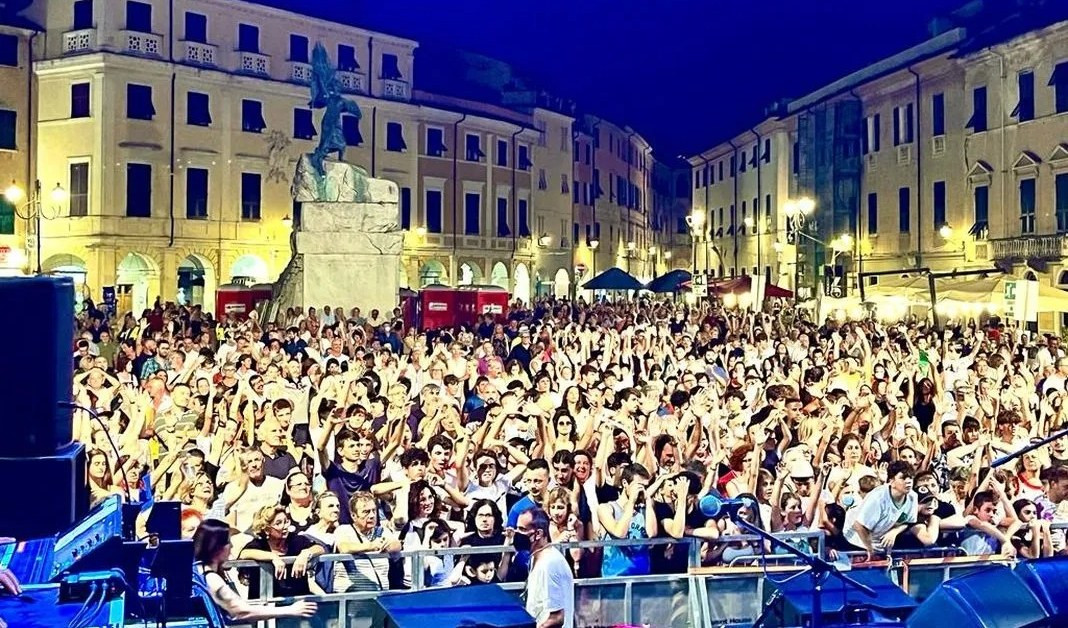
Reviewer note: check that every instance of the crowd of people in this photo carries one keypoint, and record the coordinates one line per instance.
(333, 431)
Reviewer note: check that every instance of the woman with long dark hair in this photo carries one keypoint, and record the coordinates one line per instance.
(211, 548)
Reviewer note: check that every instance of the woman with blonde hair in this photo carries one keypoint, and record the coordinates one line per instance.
(564, 525)
(274, 540)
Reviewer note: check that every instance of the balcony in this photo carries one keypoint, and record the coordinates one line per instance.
(395, 90)
(138, 43)
(201, 54)
(254, 63)
(1044, 247)
(83, 40)
(300, 72)
(352, 82)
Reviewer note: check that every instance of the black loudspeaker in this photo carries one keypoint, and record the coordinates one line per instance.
(839, 603)
(480, 606)
(990, 598)
(1048, 580)
(38, 372)
(43, 495)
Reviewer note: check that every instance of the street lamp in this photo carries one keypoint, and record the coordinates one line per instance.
(36, 209)
(696, 221)
(945, 231)
(797, 212)
(544, 240)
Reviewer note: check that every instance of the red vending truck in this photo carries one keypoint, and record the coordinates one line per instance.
(240, 300)
(476, 301)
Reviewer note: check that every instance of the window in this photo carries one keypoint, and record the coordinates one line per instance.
(248, 38)
(138, 190)
(1059, 82)
(346, 58)
(1061, 202)
(741, 167)
(196, 193)
(138, 16)
(472, 213)
(435, 142)
(939, 204)
(982, 207)
(198, 109)
(8, 120)
(252, 116)
(524, 158)
(9, 50)
(977, 122)
(524, 222)
(303, 125)
(795, 165)
(79, 100)
(502, 218)
(196, 27)
(903, 125)
(904, 210)
(1025, 108)
(79, 189)
(473, 147)
(251, 193)
(298, 48)
(564, 187)
(767, 151)
(139, 102)
(83, 15)
(938, 115)
(350, 128)
(869, 142)
(391, 67)
(433, 211)
(395, 137)
(1027, 206)
(587, 154)
(406, 208)
(502, 153)
(734, 167)
(7, 216)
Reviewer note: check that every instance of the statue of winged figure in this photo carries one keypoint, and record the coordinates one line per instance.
(326, 94)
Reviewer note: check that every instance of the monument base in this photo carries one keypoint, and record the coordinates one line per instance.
(346, 250)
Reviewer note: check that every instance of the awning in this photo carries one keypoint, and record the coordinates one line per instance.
(674, 281)
(613, 279)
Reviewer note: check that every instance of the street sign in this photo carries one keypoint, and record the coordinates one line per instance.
(833, 286)
(1021, 300)
(580, 271)
(700, 285)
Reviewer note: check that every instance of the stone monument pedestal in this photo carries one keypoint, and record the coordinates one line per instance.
(347, 247)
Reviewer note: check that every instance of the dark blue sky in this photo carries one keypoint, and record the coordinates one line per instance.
(684, 73)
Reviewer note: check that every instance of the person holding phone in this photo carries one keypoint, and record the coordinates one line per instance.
(630, 516)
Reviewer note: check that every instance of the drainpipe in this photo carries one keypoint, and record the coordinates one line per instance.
(573, 290)
(858, 231)
(174, 82)
(374, 140)
(595, 192)
(919, 175)
(30, 178)
(734, 208)
(1003, 171)
(630, 221)
(455, 191)
(515, 209)
(707, 235)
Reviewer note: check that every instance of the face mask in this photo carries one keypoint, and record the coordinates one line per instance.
(521, 542)
(848, 501)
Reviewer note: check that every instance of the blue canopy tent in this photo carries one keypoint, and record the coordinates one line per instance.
(613, 279)
(673, 281)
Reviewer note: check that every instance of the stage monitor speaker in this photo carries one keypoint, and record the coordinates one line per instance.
(839, 603)
(38, 372)
(481, 606)
(990, 598)
(52, 487)
(1048, 580)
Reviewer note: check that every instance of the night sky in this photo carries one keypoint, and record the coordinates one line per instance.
(684, 73)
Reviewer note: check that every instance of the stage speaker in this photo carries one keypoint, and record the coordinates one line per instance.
(839, 603)
(1048, 580)
(43, 495)
(990, 598)
(480, 606)
(38, 372)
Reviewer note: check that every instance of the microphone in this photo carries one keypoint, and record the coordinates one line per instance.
(715, 505)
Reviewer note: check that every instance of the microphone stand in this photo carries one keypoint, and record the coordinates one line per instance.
(818, 569)
(1033, 446)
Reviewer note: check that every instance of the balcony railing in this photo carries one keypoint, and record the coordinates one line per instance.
(395, 90)
(79, 41)
(138, 43)
(255, 63)
(201, 54)
(352, 82)
(300, 72)
(1034, 247)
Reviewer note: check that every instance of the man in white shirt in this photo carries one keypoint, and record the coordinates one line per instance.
(550, 585)
(886, 512)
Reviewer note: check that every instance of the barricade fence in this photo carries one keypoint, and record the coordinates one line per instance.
(733, 593)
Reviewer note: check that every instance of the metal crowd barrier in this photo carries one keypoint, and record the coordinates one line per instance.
(729, 595)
